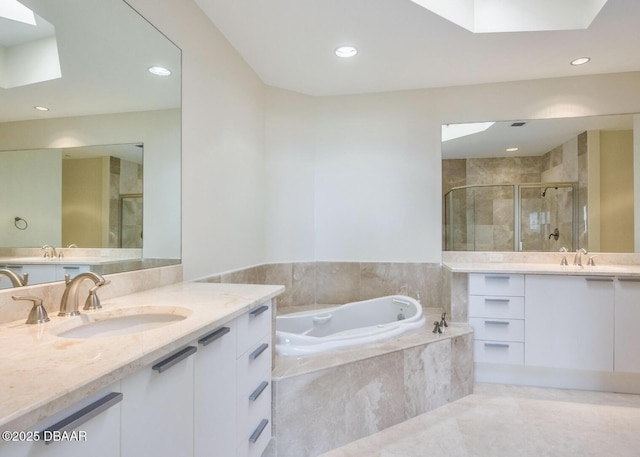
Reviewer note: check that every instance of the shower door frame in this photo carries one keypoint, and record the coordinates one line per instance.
(516, 209)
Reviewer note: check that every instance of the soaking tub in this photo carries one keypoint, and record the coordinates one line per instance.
(353, 324)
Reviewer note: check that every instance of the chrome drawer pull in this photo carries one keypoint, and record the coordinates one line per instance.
(496, 345)
(507, 277)
(87, 413)
(497, 322)
(256, 393)
(255, 354)
(258, 311)
(497, 300)
(258, 431)
(599, 279)
(70, 268)
(178, 357)
(211, 337)
(629, 279)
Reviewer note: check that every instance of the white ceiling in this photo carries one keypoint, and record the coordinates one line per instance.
(290, 43)
(105, 49)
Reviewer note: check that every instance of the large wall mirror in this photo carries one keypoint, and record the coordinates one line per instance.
(541, 185)
(89, 137)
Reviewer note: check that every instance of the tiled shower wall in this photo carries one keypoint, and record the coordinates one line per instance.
(483, 217)
(328, 283)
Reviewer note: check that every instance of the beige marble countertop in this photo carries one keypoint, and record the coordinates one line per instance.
(41, 373)
(540, 268)
(39, 260)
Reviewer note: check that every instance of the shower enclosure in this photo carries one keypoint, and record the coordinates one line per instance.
(511, 217)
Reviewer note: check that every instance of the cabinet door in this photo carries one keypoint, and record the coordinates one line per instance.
(157, 410)
(569, 322)
(215, 393)
(89, 428)
(627, 321)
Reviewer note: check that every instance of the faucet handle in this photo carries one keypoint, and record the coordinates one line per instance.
(37, 315)
(591, 262)
(93, 301)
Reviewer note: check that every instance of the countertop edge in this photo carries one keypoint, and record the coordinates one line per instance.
(44, 408)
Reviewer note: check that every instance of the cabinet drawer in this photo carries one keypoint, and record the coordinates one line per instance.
(498, 329)
(254, 402)
(260, 435)
(496, 307)
(499, 352)
(496, 284)
(252, 371)
(252, 412)
(253, 326)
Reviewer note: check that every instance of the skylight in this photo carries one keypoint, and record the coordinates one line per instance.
(490, 16)
(453, 131)
(16, 11)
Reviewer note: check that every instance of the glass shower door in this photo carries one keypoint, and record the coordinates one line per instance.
(547, 215)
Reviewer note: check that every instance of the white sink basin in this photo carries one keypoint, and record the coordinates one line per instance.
(120, 322)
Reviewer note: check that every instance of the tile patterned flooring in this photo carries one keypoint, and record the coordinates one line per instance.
(513, 421)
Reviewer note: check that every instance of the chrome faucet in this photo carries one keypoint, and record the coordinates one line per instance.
(15, 278)
(46, 249)
(577, 260)
(69, 302)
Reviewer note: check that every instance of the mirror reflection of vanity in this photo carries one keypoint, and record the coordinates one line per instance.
(100, 169)
(569, 184)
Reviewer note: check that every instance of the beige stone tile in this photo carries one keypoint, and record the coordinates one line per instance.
(337, 282)
(303, 284)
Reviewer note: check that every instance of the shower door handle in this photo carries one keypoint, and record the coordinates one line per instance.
(555, 234)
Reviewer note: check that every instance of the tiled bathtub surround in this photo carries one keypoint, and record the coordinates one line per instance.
(325, 401)
(333, 283)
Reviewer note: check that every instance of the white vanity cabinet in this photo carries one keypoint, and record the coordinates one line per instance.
(496, 313)
(215, 393)
(38, 274)
(627, 322)
(42, 273)
(158, 407)
(71, 270)
(211, 398)
(569, 322)
(89, 428)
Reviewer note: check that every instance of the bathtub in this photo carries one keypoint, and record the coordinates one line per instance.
(353, 324)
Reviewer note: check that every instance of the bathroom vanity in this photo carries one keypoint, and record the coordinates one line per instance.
(549, 325)
(198, 384)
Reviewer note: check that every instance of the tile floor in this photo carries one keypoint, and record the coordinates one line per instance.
(513, 421)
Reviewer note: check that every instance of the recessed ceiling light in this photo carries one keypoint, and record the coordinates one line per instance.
(511, 149)
(159, 71)
(41, 108)
(580, 61)
(346, 51)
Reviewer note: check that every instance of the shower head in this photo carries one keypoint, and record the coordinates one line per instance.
(544, 192)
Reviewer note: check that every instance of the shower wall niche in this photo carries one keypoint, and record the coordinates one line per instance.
(511, 217)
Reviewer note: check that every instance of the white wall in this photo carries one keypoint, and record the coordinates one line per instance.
(223, 166)
(156, 129)
(31, 189)
(369, 163)
(377, 171)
